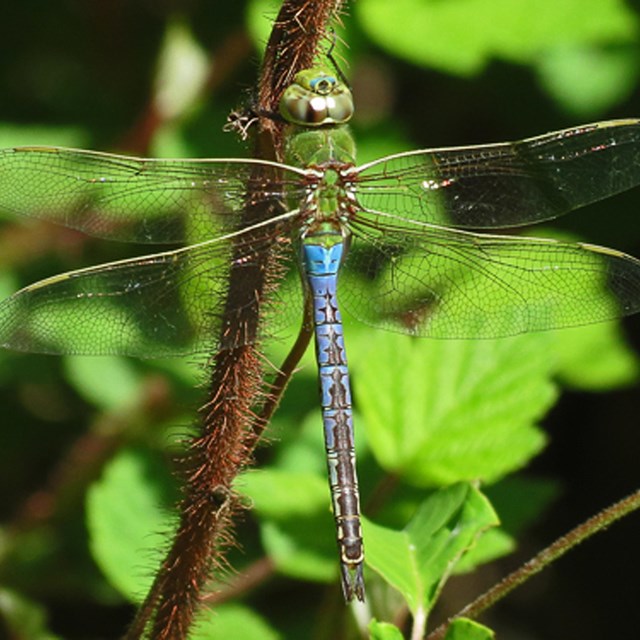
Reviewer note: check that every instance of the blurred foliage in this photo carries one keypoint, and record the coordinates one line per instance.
(468, 630)
(86, 484)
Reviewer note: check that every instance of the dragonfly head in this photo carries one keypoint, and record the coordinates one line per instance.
(316, 98)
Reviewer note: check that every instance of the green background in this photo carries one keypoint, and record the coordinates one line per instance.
(425, 73)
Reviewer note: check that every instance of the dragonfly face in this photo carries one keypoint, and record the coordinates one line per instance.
(316, 98)
(412, 265)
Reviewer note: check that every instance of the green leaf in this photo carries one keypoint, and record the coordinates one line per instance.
(283, 494)
(493, 544)
(386, 142)
(383, 631)
(461, 36)
(464, 629)
(106, 381)
(260, 17)
(442, 411)
(303, 449)
(418, 559)
(230, 622)
(615, 365)
(519, 502)
(587, 80)
(126, 521)
(183, 67)
(297, 528)
(16, 135)
(304, 548)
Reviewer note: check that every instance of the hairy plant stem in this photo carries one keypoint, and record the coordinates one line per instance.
(590, 527)
(240, 401)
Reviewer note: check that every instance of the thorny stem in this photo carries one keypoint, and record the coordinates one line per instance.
(590, 527)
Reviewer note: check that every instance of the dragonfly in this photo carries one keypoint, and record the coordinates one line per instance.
(404, 241)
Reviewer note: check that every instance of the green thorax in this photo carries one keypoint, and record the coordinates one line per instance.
(317, 107)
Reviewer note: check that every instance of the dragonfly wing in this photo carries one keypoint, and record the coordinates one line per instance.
(135, 199)
(506, 184)
(163, 304)
(444, 283)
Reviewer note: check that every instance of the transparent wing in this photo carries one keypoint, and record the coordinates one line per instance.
(164, 304)
(444, 283)
(507, 184)
(134, 199)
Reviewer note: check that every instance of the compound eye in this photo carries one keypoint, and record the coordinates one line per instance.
(316, 98)
(322, 85)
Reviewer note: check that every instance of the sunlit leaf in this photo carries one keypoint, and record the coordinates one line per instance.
(464, 629)
(384, 631)
(418, 559)
(616, 365)
(260, 17)
(588, 80)
(297, 528)
(303, 548)
(182, 71)
(89, 375)
(461, 36)
(304, 449)
(128, 521)
(494, 544)
(443, 411)
(519, 502)
(275, 493)
(232, 621)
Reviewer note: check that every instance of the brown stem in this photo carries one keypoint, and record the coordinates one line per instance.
(380, 494)
(593, 525)
(238, 408)
(293, 45)
(284, 374)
